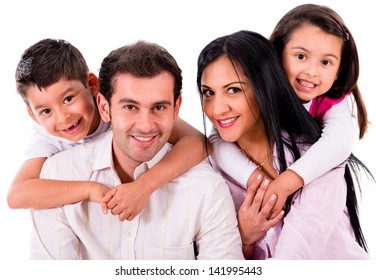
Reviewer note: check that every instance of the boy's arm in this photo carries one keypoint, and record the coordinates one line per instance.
(28, 191)
(189, 149)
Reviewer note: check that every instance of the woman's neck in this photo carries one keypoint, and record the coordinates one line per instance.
(260, 152)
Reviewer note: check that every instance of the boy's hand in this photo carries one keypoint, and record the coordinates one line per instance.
(283, 186)
(96, 192)
(252, 216)
(126, 200)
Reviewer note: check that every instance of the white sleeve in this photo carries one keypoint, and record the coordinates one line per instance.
(334, 146)
(230, 159)
(40, 145)
(52, 236)
(219, 237)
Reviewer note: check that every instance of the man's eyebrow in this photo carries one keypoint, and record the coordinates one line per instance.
(132, 101)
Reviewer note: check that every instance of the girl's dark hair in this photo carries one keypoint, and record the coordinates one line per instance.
(328, 21)
(279, 106)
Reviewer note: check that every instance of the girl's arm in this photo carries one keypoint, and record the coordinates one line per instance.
(189, 149)
(225, 154)
(28, 191)
(334, 146)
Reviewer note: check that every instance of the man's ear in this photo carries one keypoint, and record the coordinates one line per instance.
(93, 83)
(103, 107)
(177, 107)
(31, 114)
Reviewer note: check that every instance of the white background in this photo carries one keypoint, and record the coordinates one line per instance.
(184, 28)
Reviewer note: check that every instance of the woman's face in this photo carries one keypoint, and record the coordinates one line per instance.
(228, 100)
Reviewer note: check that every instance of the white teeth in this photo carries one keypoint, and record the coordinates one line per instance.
(143, 139)
(72, 127)
(307, 84)
(228, 121)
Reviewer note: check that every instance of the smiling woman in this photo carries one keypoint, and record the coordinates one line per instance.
(321, 219)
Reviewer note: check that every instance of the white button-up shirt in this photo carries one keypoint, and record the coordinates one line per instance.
(193, 212)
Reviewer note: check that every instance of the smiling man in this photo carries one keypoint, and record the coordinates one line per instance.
(192, 217)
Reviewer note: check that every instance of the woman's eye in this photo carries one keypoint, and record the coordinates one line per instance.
(326, 62)
(207, 93)
(234, 90)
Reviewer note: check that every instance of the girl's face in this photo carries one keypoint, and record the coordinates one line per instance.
(228, 100)
(311, 59)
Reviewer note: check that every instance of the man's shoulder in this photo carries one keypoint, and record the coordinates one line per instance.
(84, 152)
(205, 171)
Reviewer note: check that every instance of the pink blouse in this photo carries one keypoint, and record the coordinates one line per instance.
(317, 226)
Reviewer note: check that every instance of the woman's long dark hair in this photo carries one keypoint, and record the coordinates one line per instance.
(279, 106)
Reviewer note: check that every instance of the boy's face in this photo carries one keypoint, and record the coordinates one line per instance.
(65, 109)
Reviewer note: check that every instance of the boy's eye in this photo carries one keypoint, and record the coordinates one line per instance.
(68, 99)
(45, 112)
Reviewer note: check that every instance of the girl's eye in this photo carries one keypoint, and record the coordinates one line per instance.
(301, 56)
(45, 112)
(326, 62)
(68, 99)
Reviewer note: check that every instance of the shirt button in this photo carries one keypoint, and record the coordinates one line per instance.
(128, 234)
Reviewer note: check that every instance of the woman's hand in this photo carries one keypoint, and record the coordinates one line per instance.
(252, 216)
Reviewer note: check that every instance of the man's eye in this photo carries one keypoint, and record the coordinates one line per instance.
(159, 108)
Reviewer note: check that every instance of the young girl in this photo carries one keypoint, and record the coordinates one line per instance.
(249, 100)
(54, 81)
(320, 60)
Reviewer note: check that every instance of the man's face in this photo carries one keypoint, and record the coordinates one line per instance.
(142, 114)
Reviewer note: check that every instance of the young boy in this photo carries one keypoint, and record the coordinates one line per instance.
(59, 90)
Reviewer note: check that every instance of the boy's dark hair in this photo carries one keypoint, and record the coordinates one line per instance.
(46, 62)
(141, 59)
